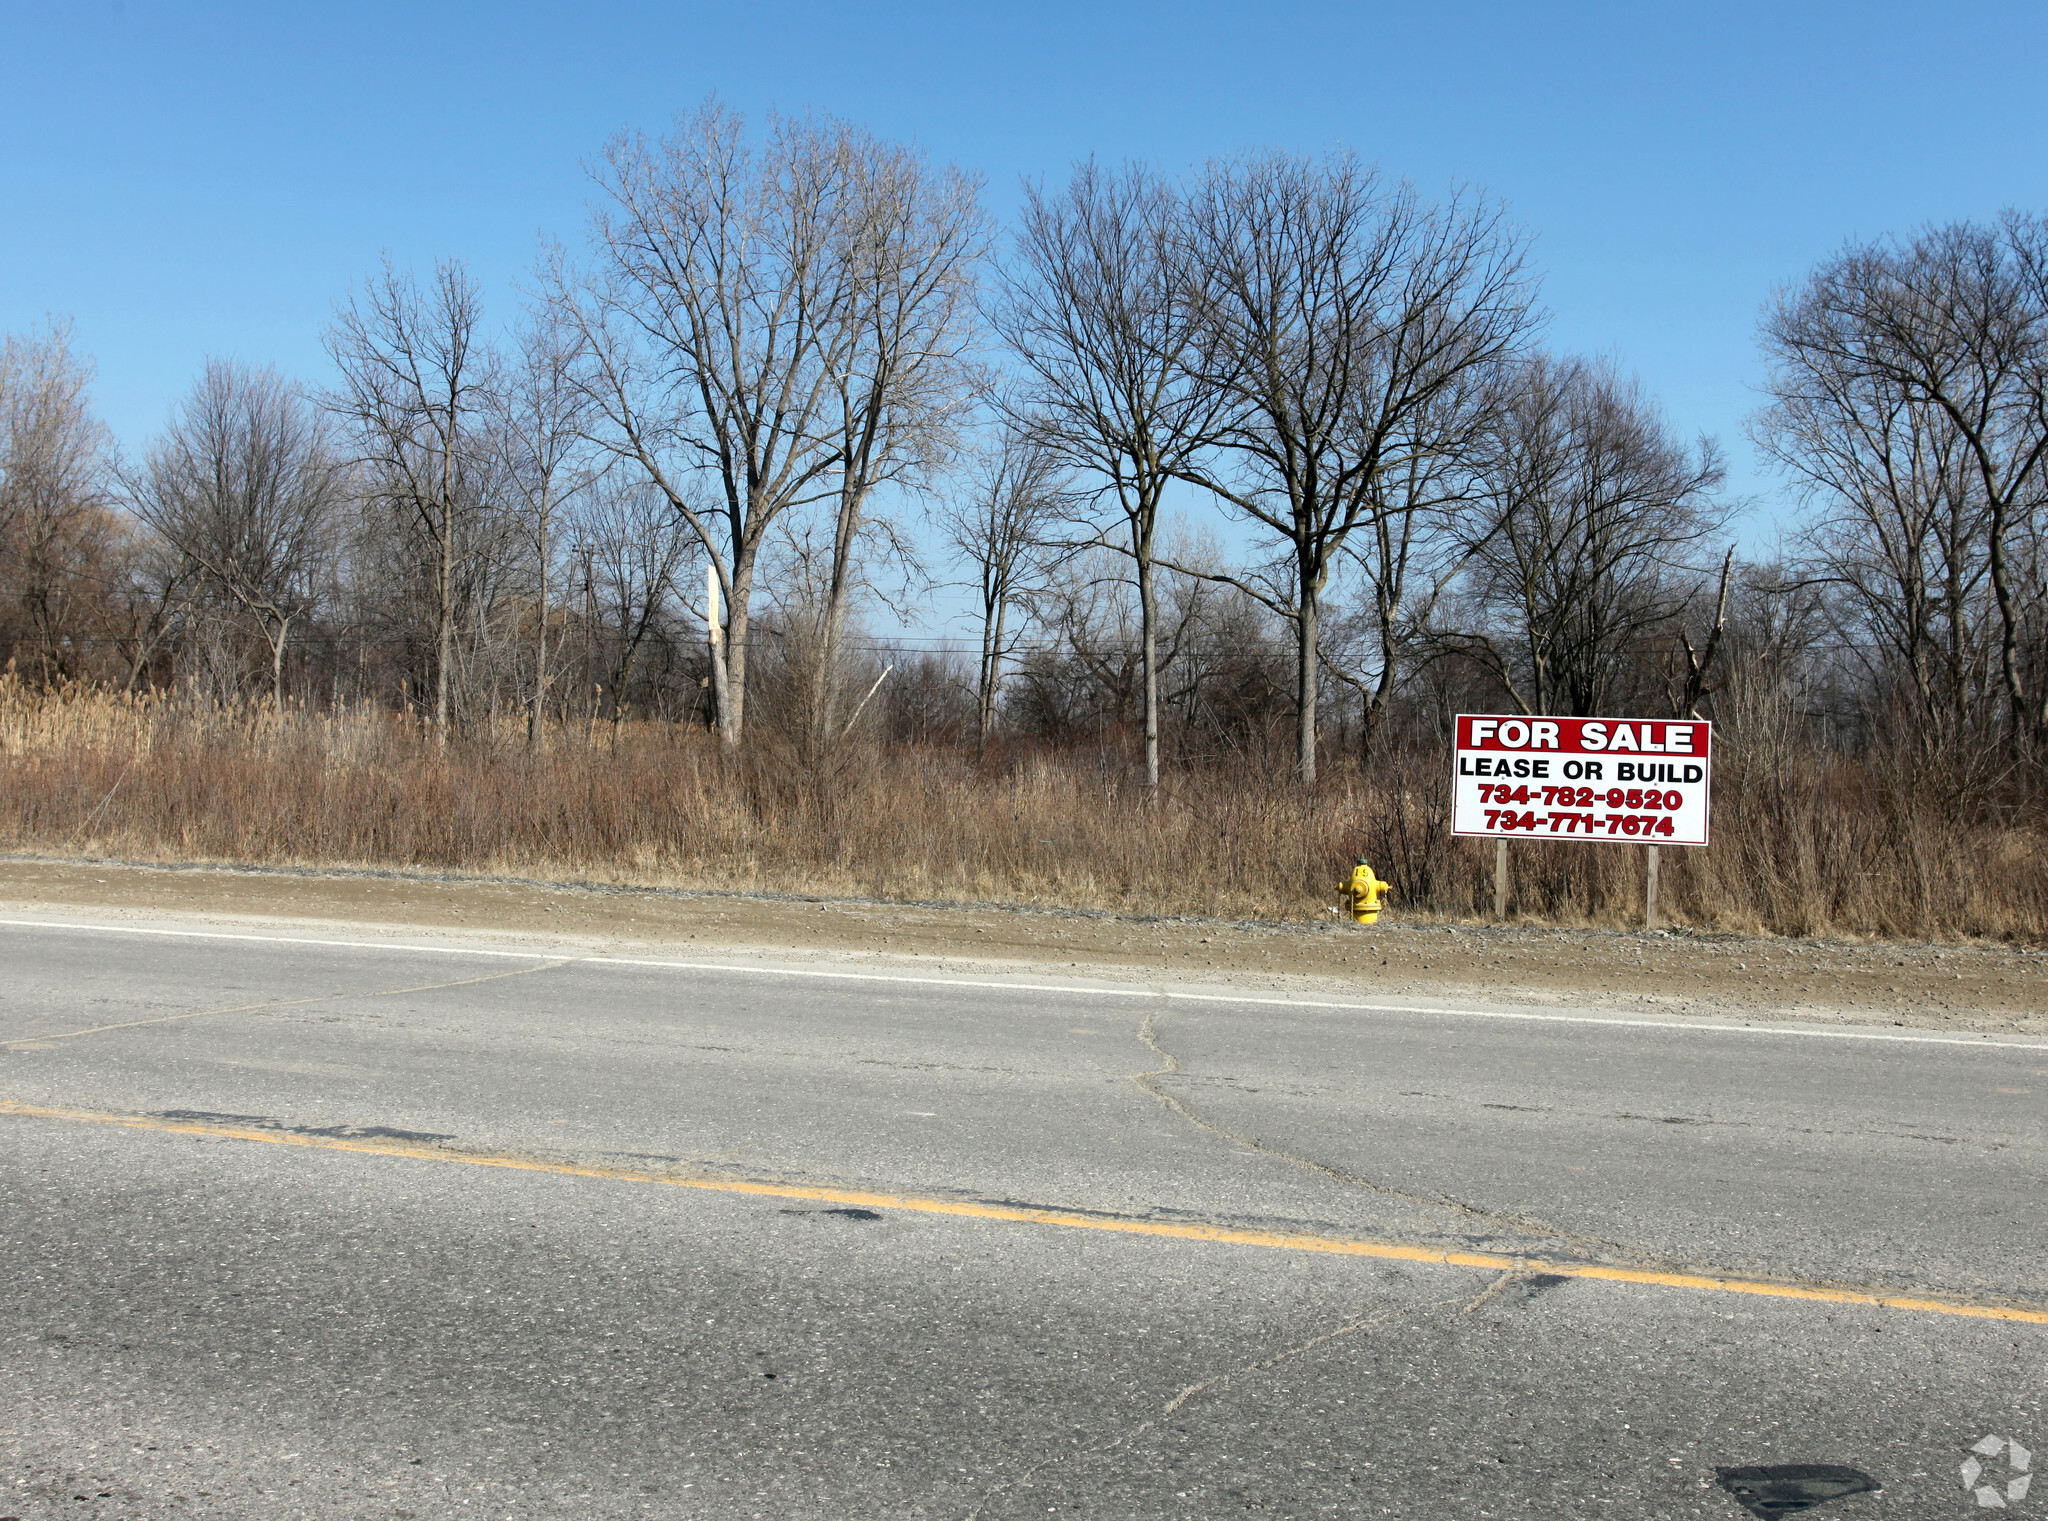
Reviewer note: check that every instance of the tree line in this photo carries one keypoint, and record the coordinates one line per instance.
(1269, 458)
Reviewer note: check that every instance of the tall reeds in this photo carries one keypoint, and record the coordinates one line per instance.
(1805, 841)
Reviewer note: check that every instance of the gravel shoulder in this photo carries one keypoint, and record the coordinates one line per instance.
(1969, 987)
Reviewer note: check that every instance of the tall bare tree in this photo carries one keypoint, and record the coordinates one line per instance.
(55, 529)
(1594, 511)
(914, 242)
(719, 320)
(416, 393)
(1338, 315)
(1898, 534)
(1911, 389)
(997, 524)
(243, 486)
(1098, 319)
(544, 415)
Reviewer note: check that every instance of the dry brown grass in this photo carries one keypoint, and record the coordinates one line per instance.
(1803, 844)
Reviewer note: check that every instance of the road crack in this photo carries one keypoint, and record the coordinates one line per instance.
(1492, 1289)
(1497, 1221)
(33, 1042)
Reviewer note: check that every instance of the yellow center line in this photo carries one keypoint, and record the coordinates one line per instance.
(1228, 1235)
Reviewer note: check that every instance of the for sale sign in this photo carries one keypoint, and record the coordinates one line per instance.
(1634, 780)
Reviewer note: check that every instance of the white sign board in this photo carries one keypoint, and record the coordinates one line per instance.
(1630, 781)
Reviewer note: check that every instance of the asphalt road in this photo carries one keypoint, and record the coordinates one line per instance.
(329, 1230)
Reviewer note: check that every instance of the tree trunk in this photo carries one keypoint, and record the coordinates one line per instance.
(277, 665)
(1148, 621)
(1308, 645)
(714, 636)
(1373, 708)
(991, 661)
(540, 647)
(824, 680)
(1373, 705)
(2008, 634)
(445, 641)
(732, 675)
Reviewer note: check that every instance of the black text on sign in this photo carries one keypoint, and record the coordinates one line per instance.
(1642, 781)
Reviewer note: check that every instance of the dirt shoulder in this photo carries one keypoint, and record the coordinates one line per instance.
(1955, 987)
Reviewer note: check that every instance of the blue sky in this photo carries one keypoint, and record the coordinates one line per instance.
(185, 180)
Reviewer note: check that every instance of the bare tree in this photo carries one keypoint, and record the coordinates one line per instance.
(1418, 538)
(1689, 684)
(1224, 673)
(56, 533)
(243, 487)
(1338, 315)
(1594, 508)
(996, 524)
(1083, 673)
(1910, 395)
(913, 246)
(416, 391)
(718, 322)
(1094, 312)
(638, 553)
(544, 412)
(1898, 534)
(160, 579)
(51, 447)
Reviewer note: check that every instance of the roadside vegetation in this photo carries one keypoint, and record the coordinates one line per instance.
(1804, 844)
(1242, 482)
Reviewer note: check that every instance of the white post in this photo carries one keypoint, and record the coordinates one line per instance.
(716, 636)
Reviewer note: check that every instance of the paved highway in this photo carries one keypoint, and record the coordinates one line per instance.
(300, 1225)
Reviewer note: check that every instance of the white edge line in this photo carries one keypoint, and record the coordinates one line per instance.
(1816, 1033)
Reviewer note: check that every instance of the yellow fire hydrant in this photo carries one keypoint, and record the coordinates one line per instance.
(1362, 892)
